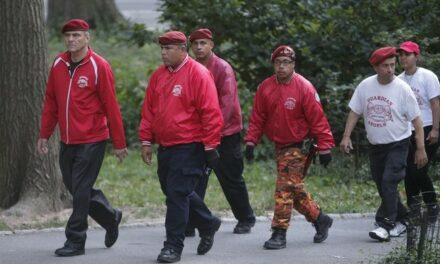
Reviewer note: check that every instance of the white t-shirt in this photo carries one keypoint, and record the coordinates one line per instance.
(387, 109)
(425, 86)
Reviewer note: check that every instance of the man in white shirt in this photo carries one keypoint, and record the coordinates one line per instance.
(388, 107)
(426, 88)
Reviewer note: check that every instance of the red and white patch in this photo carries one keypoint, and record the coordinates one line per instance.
(177, 90)
(82, 81)
(290, 103)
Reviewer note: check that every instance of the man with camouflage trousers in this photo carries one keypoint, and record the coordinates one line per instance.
(288, 111)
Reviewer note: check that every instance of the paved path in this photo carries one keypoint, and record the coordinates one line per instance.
(348, 243)
(141, 11)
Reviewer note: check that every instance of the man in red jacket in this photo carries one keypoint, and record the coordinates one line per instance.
(230, 168)
(80, 98)
(288, 111)
(181, 113)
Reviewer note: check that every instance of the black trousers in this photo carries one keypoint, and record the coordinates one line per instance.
(230, 176)
(417, 180)
(80, 165)
(388, 164)
(180, 168)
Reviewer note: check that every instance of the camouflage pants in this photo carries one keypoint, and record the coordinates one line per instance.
(292, 166)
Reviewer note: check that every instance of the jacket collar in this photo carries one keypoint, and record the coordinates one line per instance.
(170, 69)
(289, 81)
(66, 56)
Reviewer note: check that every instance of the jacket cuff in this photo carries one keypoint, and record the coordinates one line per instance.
(210, 148)
(146, 143)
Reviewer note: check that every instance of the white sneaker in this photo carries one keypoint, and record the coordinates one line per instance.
(380, 234)
(398, 230)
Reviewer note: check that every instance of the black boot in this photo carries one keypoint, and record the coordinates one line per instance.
(207, 239)
(112, 233)
(277, 240)
(168, 255)
(70, 249)
(243, 227)
(322, 225)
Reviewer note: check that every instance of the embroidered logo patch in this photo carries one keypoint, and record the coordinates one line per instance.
(82, 81)
(379, 111)
(290, 103)
(177, 90)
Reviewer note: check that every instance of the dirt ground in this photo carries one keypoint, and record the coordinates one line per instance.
(131, 216)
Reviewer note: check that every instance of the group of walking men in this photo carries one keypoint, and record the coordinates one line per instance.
(192, 111)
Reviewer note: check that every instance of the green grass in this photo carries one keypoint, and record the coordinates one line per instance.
(134, 184)
(3, 226)
(400, 255)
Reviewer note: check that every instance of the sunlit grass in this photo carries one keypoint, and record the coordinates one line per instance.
(133, 184)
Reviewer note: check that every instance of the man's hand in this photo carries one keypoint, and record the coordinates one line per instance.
(249, 151)
(345, 146)
(42, 146)
(432, 136)
(212, 158)
(325, 157)
(421, 159)
(146, 153)
(121, 153)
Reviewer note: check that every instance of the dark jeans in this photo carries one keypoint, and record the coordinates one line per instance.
(180, 168)
(230, 176)
(417, 180)
(388, 163)
(80, 165)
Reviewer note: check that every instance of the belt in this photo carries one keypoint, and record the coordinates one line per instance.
(305, 146)
(294, 145)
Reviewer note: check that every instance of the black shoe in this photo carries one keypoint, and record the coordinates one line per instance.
(190, 232)
(243, 227)
(433, 211)
(112, 233)
(69, 250)
(206, 241)
(322, 226)
(168, 255)
(277, 240)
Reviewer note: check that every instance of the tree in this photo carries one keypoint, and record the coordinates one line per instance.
(332, 39)
(102, 14)
(28, 181)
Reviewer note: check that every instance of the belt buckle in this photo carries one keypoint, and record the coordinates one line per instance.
(306, 146)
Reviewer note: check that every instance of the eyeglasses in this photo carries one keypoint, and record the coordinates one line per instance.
(282, 62)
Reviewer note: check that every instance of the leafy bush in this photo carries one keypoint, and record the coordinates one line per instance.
(332, 39)
(399, 255)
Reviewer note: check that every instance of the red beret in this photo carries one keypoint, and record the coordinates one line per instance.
(283, 50)
(75, 25)
(410, 47)
(172, 37)
(382, 54)
(202, 33)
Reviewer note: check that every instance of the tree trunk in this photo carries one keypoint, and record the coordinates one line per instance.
(101, 14)
(28, 181)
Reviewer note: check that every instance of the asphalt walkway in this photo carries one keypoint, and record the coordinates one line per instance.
(348, 242)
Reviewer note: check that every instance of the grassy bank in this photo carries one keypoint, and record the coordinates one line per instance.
(132, 184)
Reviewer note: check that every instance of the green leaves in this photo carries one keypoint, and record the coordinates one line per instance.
(333, 38)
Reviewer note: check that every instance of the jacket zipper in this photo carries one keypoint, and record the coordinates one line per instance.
(67, 104)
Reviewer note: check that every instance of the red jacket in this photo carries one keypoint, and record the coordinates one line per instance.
(289, 113)
(82, 104)
(181, 106)
(224, 78)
